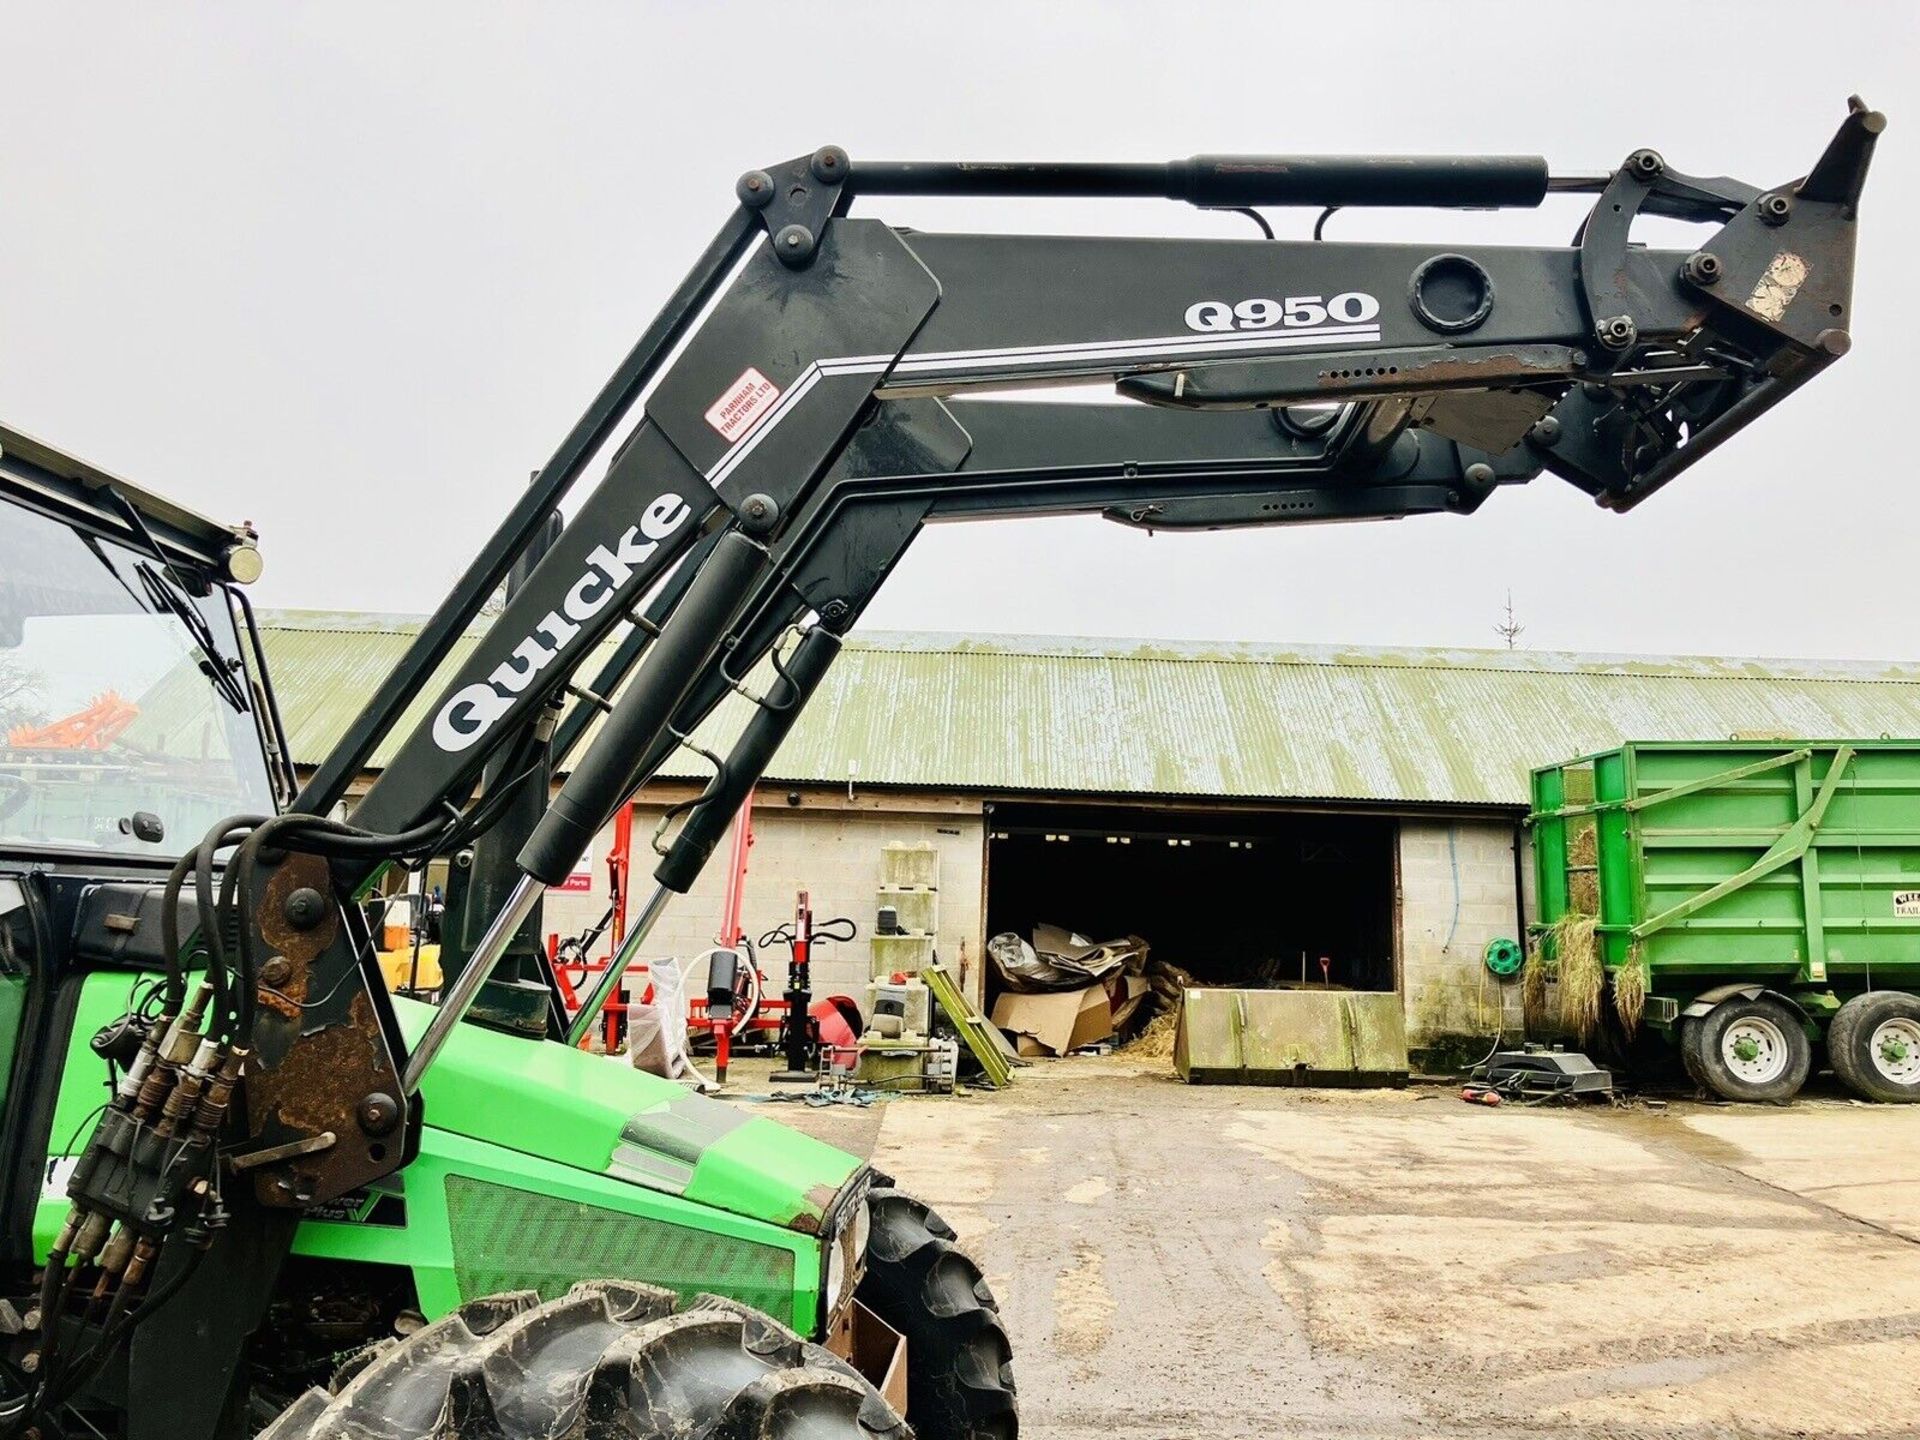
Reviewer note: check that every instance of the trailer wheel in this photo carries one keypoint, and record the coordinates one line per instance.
(959, 1361)
(1752, 1050)
(607, 1357)
(1688, 1060)
(1874, 1044)
(1645, 1055)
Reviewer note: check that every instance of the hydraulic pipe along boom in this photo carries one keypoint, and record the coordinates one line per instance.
(458, 997)
(748, 760)
(617, 965)
(1479, 182)
(740, 772)
(603, 779)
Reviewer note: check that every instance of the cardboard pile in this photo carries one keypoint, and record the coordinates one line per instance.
(1063, 991)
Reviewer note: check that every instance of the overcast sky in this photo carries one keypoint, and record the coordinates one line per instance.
(350, 271)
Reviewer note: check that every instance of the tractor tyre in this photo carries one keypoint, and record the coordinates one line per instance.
(959, 1361)
(606, 1358)
(1752, 1050)
(1873, 1044)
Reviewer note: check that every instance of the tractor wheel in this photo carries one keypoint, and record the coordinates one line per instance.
(959, 1363)
(1752, 1050)
(608, 1357)
(1874, 1045)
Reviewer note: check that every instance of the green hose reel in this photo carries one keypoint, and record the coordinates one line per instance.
(1504, 957)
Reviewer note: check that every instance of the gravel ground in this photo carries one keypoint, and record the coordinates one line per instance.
(1179, 1261)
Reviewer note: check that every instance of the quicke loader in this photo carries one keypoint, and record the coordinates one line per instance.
(250, 1191)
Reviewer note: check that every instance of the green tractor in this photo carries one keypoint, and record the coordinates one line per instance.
(242, 1174)
(561, 1216)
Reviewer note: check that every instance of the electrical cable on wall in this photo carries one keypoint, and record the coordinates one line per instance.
(1453, 859)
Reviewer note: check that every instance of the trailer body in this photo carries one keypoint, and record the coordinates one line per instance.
(1732, 867)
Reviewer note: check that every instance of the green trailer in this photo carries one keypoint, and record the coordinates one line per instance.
(1746, 903)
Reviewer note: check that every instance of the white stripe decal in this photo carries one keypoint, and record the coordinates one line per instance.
(1037, 356)
(1166, 343)
(1183, 346)
(744, 446)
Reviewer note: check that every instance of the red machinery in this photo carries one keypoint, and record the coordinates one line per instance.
(736, 985)
(734, 978)
(753, 1017)
(94, 728)
(570, 959)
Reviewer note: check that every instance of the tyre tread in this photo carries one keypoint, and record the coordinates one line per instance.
(1706, 1051)
(1848, 1035)
(960, 1382)
(510, 1367)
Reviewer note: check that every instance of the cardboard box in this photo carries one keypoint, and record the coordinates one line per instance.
(1055, 1023)
(1125, 993)
(880, 1354)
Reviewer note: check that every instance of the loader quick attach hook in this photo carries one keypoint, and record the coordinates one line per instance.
(1646, 184)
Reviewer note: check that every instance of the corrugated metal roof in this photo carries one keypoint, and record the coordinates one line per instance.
(1119, 717)
(327, 663)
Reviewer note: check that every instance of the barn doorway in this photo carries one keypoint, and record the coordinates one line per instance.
(1237, 898)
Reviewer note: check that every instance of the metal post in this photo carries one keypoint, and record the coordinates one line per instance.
(456, 999)
(617, 965)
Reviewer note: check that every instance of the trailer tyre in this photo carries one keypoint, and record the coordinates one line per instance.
(1874, 1045)
(607, 1357)
(1646, 1055)
(1752, 1050)
(1688, 1059)
(959, 1361)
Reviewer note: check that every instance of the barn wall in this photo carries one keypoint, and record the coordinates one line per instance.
(1454, 898)
(830, 848)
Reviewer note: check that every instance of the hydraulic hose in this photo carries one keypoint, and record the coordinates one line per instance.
(747, 761)
(605, 775)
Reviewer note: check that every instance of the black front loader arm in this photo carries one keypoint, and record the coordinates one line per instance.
(826, 396)
(827, 400)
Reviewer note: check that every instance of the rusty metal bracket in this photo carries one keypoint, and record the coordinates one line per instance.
(316, 1057)
(292, 1150)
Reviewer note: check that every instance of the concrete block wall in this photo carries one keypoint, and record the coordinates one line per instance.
(825, 847)
(1451, 905)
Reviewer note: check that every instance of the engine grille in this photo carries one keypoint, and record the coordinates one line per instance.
(507, 1239)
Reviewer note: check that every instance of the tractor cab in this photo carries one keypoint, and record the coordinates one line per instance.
(133, 712)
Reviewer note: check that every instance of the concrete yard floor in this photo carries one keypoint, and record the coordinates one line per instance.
(1328, 1265)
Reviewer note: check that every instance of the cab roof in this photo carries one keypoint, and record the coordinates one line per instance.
(67, 486)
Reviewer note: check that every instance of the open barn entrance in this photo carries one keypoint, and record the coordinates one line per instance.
(1237, 898)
